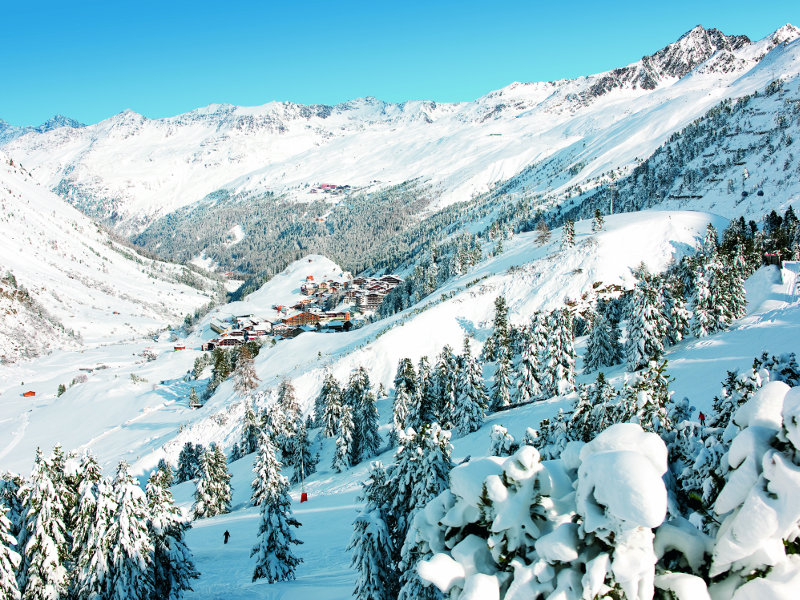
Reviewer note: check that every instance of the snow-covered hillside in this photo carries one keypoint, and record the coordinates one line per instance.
(137, 410)
(66, 283)
(109, 412)
(128, 169)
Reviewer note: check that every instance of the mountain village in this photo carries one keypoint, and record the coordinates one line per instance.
(330, 305)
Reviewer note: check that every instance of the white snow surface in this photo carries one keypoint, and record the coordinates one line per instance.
(86, 282)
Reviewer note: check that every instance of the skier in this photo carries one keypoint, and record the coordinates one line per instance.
(226, 535)
(702, 418)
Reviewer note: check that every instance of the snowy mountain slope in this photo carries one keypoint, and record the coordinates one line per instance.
(118, 417)
(10, 132)
(531, 277)
(698, 366)
(75, 277)
(738, 159)
(129, 169)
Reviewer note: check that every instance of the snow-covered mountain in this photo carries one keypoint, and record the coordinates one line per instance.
(128, 170)
(66, 282)
(10, 132)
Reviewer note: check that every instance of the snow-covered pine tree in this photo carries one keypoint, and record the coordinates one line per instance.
(559, 363)
(542, 232)
(9, 559)
(675, 311)
(359, 396)
(647, 325)
(424, 405)
(471, 399)
(251, 430)
(368, 544)
(500, 331)
(528, 369)
(328, 405)
(213, 494)
(245, 380)
(598, 222)
(286, 428)
(10, 483)
(300, 457)
(420, 473)
(173, 564)
(275, 560)
(188, 463)
(90, 549)
(371, 542)
(501, 388)
(501, 443)
(602, 349)
(703, 310)
(645, 399)
(735, 296)
(221, 359)
(42, 574)
(266, 454)
(405, 386)
(568, 234)
(131, 550)
(445, 377)
(342, 459)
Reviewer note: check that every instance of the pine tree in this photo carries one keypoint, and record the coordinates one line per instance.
(193, 399)
(359, 396)
(559, 363)
(299, 457)
(222, 369)
(368, 545)
(213, 494)
(188, 463)
(403, 399)
(343, 457)
(677, 316)
(528, 385)
(173, 564)
(568, 234)
(598, 222)
(542, 232)
(10, 484)
(274, 558)
(602, 349)
(245, 380)
(703, 317)
(371, 544)
(472, 399)
(420, 473)
(445, 378)
(9, 559)
(647, 325)
(42, 573)
(251, 430)
(128, 538)
(501, 388)
(424, 406)
(93, 514)
(328, 405)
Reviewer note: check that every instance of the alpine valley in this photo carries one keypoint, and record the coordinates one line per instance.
(536, 345)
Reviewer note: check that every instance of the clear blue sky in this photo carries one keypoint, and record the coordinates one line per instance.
(90, 59)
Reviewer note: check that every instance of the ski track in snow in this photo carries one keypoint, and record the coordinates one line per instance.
(18, 434)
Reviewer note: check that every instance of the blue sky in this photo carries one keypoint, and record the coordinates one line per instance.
(90, 59)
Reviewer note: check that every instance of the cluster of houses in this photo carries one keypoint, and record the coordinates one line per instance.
(330, 305)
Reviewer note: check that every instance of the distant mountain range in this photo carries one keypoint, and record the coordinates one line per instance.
(10, 132)
(550, 141)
